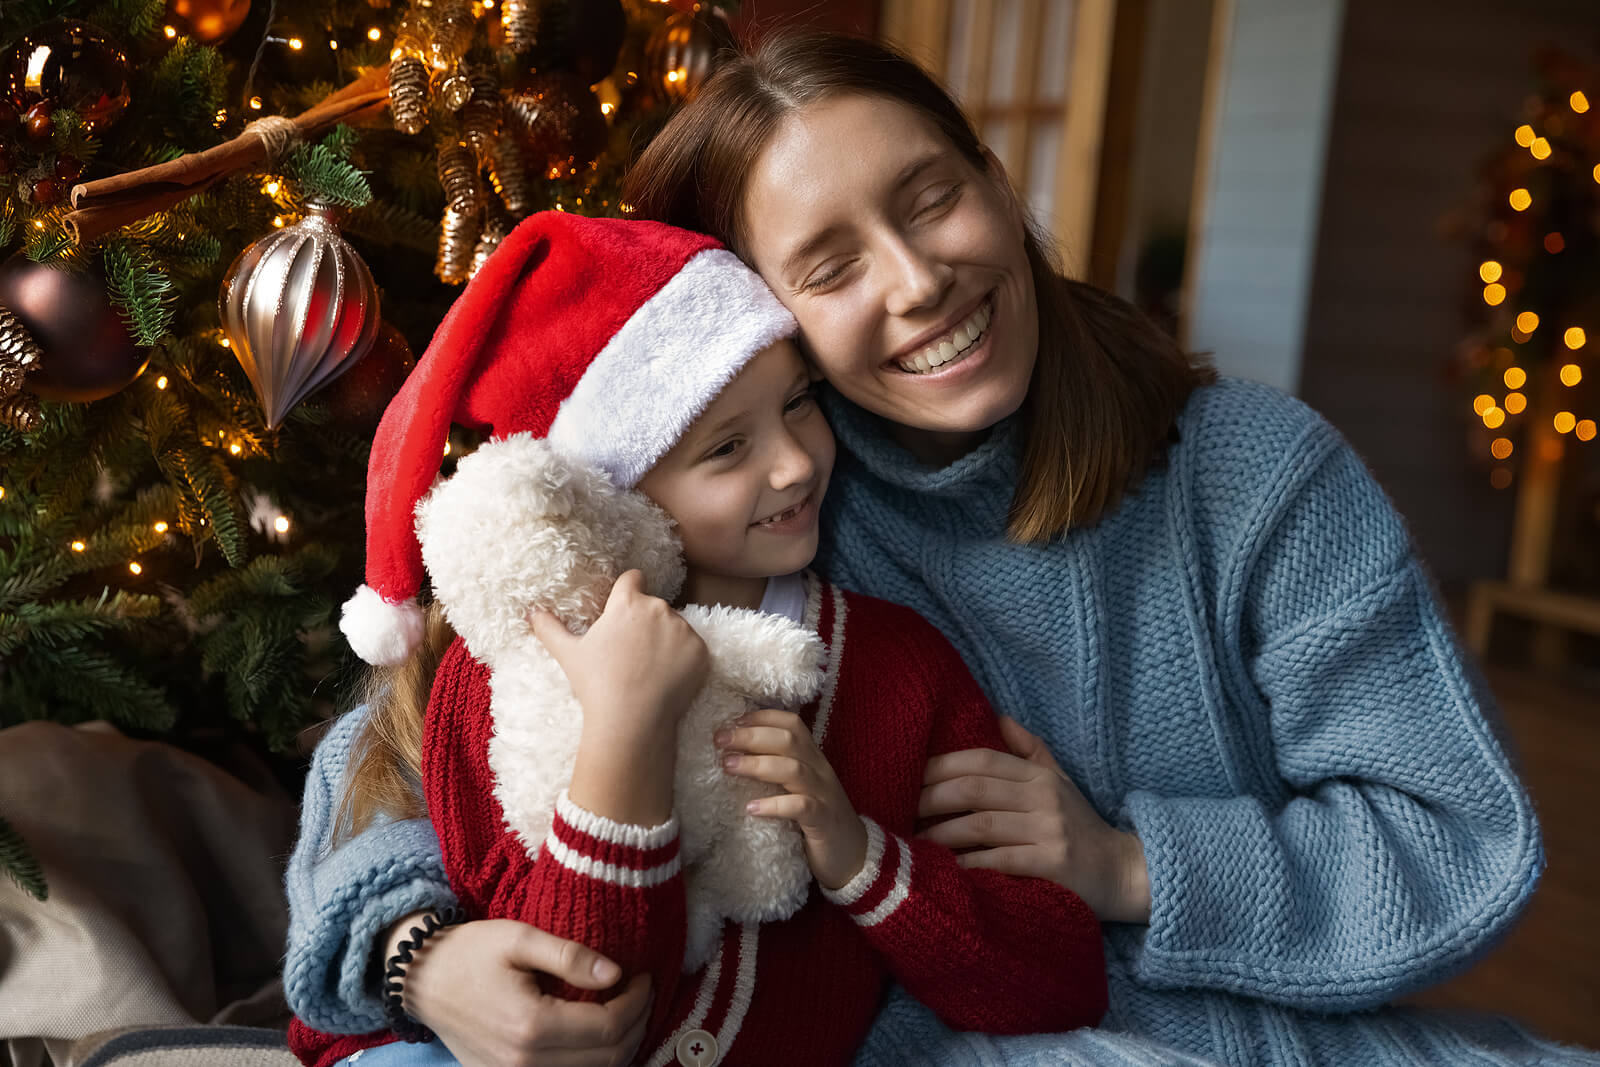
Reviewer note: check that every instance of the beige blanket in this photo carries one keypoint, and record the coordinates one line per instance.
(166, 902)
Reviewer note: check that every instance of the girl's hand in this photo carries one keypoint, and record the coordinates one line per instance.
(639, 666)
(775, 746)
(1023, 815)
(476, 986)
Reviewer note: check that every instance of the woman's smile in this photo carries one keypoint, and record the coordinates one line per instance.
(950, 347)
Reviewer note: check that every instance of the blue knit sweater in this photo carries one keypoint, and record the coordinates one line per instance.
(1244, 663)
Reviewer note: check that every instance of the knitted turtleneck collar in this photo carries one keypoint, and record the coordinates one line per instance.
(993, 465)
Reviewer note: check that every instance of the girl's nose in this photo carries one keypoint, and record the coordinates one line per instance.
(791, 463)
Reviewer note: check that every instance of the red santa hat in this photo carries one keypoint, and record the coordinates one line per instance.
(606, 337)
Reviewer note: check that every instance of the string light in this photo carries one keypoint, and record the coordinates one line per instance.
(78, 546)
(1520, 199)
(1525, 136)
(2, 492)
(161, 527)
(374, 34)
(1575, 338)
(1515, 403)
(1494, 294)
(1494, 418)
(271, 188)
(296, 43)
(1564, 421)
(1501, 449)
(1571, 375)
(278, 221)
(135, 568)
(281, 524)
(170, 31)
(255, 103)
(1527, 322)
(1585, 430)
(161, 382)
(234, 448)
(1482, 404)
(1490, 270)
(334, 45)
(1540, 149)
(1516, 378)
(1579, 102)
(225, 343)
(447, 448)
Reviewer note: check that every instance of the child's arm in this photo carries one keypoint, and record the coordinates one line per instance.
(607, 875)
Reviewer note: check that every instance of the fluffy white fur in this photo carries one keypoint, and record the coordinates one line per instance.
(381, 633)
(520, 525)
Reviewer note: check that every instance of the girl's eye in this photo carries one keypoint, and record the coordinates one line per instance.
(724, 450)
(800, 401)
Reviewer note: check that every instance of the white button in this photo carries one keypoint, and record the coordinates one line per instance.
(697, 1049)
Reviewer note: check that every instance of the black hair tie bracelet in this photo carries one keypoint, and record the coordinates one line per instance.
(403, 1025)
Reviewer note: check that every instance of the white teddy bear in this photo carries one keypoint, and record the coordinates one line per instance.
(519, 525)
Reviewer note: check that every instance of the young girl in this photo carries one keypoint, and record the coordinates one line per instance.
(654, 355)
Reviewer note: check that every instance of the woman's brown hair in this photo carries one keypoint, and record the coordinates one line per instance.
(1108, 383)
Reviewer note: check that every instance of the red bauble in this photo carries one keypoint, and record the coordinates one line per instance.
(46, 191)
(68, 169)
(580, 36)
(358, 396)
(557, 120)
(88, 352)
(69, 64)
(39, 121)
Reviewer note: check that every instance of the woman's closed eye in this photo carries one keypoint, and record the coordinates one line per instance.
(945, 199)
(825, 276)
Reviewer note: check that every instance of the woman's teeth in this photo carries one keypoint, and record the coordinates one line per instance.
(951, 347)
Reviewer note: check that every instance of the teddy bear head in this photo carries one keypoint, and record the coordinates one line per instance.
(519, 525)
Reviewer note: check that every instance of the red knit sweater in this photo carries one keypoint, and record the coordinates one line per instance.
(985, 951)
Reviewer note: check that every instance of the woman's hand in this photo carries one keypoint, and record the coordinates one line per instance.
(775, 746)
(1021, 814)
(474, 985)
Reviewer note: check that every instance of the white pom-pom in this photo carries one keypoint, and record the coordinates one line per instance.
(381, 633)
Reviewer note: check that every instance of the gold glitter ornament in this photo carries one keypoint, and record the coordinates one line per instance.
(455, 90)
(510, 177)
(408, 94)
(480, 118)
(458, 237)
(458, 174)
(20, 412)
(519, 19)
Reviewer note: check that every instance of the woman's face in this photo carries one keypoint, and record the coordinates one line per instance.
(903, 263)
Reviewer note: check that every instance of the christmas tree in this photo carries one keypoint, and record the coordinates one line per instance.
(224, 229)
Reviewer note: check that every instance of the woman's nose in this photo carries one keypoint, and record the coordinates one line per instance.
(918, 280)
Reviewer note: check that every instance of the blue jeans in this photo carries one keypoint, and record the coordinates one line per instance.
(401, 1054)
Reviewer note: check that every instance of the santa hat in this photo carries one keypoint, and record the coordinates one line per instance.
(606, 337)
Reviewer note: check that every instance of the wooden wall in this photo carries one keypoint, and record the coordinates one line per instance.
(1425, 89)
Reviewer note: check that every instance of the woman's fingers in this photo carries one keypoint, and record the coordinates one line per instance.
(1026, 860)
(976, 792)
(532, 949)
(984, 829)
(978, 761)
(602, 1029)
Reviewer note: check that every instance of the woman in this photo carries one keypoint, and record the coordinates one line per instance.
(1251, 744)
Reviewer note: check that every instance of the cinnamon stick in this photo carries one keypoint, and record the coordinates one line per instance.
(105, 204)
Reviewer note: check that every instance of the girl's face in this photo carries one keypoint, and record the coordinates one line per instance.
(745, 482)
(903, 263)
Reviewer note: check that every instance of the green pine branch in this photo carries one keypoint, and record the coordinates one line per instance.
(323, 171)
(138, 290)
(19, 863)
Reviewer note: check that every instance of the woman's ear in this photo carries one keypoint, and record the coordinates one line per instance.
(995, 171)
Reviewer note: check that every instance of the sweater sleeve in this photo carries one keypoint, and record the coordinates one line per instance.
(1401, 844)
(341, 899)
(615, 887)
(984, 950)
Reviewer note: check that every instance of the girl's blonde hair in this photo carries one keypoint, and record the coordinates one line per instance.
(384, 775)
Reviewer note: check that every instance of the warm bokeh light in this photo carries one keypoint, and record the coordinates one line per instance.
(135, 568)
(1494, 418)
(1540, 149)
(170, 31)
(161, 527)
(1490, 271)
(447, 448)
(1520, 199)
(1554, 242)
(296, 43)
(1500, 478)
(1575, 338)
(1585, 430)
(1482, 403)
(374, 34)
(161, 382)
(1516, 377)
(1571, 375)
(1501, 448)
(234, 448)
(78, 546)
(1565, 421)
(1515, 403)
(281, 524)
(1494, 295)
(255, 103)
(1527, 322)
(1525, 136)
(225, 343)
(1579, 102)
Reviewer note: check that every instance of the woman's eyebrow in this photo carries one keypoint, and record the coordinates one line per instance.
(809, 248)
